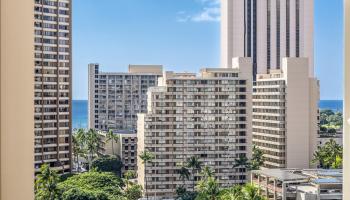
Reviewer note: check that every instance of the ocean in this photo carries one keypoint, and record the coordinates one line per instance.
(80, 114)
(80, 110)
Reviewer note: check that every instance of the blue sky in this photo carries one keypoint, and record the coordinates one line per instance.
(182, 35)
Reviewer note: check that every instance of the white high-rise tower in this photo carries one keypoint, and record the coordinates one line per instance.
(267, 31)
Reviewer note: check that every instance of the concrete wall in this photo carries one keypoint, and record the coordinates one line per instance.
(301, 102)
(17, 100)
(346, 134)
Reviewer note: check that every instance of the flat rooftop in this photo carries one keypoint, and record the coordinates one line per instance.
(317, 176)
(282, 175)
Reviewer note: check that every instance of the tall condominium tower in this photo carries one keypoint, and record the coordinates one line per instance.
(206, 116)
(267, 31)
(53, 69)
(285, 115)
(116, 98)
(16, 100)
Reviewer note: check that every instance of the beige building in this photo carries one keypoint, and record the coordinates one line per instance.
(16, 100)
(53, 83)
(299, 184)
(267, 31)
(285, 115)
(125, 148)
(346, 135)
(206, 116)
(116, 98)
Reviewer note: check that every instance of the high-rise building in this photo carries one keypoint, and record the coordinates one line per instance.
(53, 88)
(285, 115)
(16, 100)
(267, 31)
(206, 116)
(116, 98)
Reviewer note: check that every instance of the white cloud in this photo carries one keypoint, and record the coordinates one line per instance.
(209, 13)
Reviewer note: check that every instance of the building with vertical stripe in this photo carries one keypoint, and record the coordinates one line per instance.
(267, 31)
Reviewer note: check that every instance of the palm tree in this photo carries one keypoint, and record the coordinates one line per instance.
(208, 189)
(241, 162)
(233, 193)
(128, 175)
(46, 184)
(207, 172)
(92, 145)
(146, 157)
(257, 159)
(77, 148)
(184, 174)
(326, 155)
(194, 164)
(112, 137)
(250, 192)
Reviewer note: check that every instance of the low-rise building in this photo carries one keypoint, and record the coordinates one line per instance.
(299, 184)
(125, 148)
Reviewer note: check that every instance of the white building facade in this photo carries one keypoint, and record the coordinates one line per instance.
(116, 98)
(285, 115)
(267, 31)
(206, 116)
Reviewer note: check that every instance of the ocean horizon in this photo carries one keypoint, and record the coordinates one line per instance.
(80, 110)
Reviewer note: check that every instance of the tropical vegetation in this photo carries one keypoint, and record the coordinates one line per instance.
(329, 156)
(330, 121)
(92, 185)
(208, 189)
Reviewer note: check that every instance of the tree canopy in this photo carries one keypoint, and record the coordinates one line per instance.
(108, 163)
(91, 186)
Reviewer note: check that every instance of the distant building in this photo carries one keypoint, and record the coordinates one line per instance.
(126, 148)
(267, 31)
(115, 98)
(299, 184)
(206, 116)
(285, 115)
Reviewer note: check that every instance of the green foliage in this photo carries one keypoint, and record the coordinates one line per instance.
(183, 194)
(110, 136)
(92, 185)
(64, 177)
(246, 192)
(86, 144)
(330, 120)
(207, 172)
(82, 194)
(208, 189)
(108, 163)
(184, 173)
(257, 159)
(193, 163)
(46, 187)
(134, 192)
(146, 156)
(232, 193)
(250, 192)
(329, 155)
